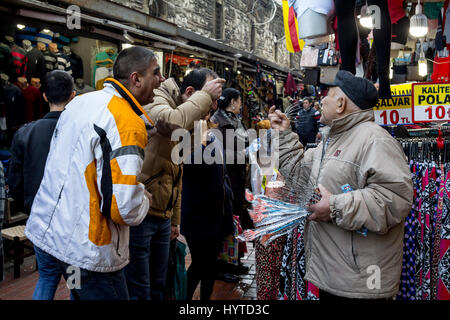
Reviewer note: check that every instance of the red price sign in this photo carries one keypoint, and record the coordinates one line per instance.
(431, 102)
(393, 116)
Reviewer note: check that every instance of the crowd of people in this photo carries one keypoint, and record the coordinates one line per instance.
(104, 195)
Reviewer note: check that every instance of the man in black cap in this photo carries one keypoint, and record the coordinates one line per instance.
(354, 235)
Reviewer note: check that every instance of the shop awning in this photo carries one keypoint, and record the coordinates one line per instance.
(111, 15)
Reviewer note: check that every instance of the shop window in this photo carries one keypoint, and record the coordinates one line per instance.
(253, 38)
(218, 27)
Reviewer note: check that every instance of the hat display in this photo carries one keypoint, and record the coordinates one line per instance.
(361, 91)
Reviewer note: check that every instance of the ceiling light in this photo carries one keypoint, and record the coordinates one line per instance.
(20, 26)
(418, 26)
(366, 18)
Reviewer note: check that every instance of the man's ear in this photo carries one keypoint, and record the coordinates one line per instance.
(341, 106)
(135, 80)
(189, 92)
(74, 93)
(45, 97)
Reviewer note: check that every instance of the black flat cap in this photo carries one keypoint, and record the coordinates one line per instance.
(361, 91)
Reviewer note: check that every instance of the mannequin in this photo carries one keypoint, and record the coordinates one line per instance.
(14, 104)
(27, 45)
(36, 82)
(76, 63)
(81, 87)
(49, 57)
(19, 58)
(62, 61)
(40, 46)
(33, 100)
(6, 62)
(348, 40)
(36, 62)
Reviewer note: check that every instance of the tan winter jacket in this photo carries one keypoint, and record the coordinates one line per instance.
(161, 177)
(362, 154)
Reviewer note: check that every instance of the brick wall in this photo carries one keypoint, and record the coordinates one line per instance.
(199, 16)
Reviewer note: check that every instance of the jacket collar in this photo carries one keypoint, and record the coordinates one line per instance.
(52, 115)
(223, 118)
(349, 121)
(171, 89)
(135, 105)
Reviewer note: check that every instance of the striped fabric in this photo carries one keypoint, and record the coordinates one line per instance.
(20, 61)
(50, 61)
(63, 63)
(45, 37)
(28, 33)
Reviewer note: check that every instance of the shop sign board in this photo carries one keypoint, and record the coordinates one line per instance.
(431, 102)
(397, 110)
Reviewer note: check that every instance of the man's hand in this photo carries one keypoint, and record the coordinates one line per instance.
(149, 196)
(278, 120)
(214, 88)
(175, 232)
(321, 210)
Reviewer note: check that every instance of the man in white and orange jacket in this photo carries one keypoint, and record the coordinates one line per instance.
(89, 195)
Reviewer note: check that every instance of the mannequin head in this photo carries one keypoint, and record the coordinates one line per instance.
(40, 46)
(22, 82)
(36, 82)
(26, 44)
(9, 40)
(79, 83)
(4, 79)
(53, 47)
(66, 50)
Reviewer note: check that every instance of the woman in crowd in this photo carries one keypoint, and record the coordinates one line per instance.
(206, 214)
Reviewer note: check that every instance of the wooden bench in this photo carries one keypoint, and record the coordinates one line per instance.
(17, 236)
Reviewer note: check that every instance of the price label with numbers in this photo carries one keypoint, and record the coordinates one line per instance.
(397, 110)
(431, 102)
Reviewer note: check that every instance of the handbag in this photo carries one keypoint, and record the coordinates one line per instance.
(328, 74)
(327, 57)
(309, 57)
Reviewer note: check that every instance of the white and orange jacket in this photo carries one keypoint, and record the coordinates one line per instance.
(89, 195)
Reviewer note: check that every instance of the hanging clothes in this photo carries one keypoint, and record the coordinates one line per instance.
(443, 290)
(6, 60)
(63, 63)
(35, 64)
(77, 66)
(33, 103)
(103, 59)
(14, 106)
(20, 62)
(50, 61)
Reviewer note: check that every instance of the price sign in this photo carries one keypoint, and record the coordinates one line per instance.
(396, 110)
(431, 102)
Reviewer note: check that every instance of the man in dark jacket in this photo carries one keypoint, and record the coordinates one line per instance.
(29, 149)
(307, 122)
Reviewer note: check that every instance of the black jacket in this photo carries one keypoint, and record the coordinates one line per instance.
(29, 149)
(206, 201)
(237, 172)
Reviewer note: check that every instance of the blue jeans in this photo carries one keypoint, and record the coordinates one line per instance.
(86, 285)
(149, 257)
(49, 275)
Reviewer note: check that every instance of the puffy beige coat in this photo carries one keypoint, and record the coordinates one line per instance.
(161, 177)
(362, 154)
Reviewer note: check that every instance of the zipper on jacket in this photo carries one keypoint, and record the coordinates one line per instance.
(54, 209)
(353, 254)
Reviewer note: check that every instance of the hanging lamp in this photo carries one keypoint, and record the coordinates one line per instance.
(418, 26)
